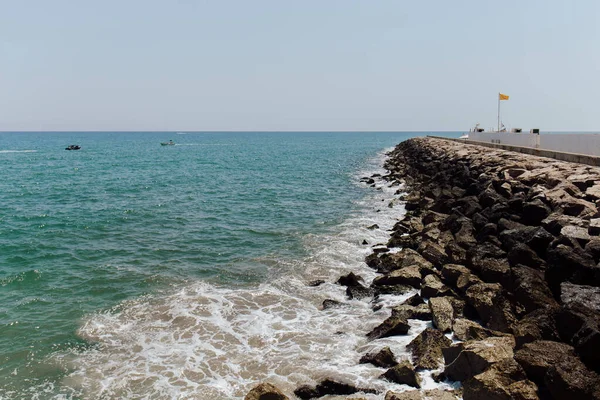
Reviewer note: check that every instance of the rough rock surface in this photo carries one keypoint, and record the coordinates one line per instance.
(384, 358)
(265, 391)
(427, 348)
(476, 356)
(404, 374)
(442, 313)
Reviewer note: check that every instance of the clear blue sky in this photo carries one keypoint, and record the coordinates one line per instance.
(298, 65)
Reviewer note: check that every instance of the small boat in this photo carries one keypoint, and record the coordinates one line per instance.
(73, 147)
(169, 143)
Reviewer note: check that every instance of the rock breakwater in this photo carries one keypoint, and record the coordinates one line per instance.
(505, 250)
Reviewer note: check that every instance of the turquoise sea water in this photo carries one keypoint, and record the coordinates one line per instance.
(128, 248)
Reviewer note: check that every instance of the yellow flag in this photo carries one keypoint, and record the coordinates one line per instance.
(503, 96)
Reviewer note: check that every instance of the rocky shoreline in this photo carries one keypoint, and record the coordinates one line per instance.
(505, 251)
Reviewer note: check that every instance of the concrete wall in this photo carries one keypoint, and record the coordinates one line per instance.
(578, 143)
(581, 143)
(513, 139)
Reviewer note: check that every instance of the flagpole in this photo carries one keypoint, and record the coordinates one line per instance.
(498, 111)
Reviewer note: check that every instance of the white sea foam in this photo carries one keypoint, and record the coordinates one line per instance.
(18, 151)
(208, 342)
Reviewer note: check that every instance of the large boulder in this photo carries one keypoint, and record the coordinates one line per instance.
(569, 264)
(350, 280)
(570, 379)
(492, 306)
(451, 273)
(265, 391)
(432, 286)
(384, 358)
(442, 313)
(537, 325)
(579, 321)
(404, 258)
(521, 254)
(504, 380)
(410, 276)
(530, 289)
(465, 329)
(404, 374)
(328, 387)
(427, 347)
(392, 326)
(475, 357)
(420, 312)
(537, 357)
(535, 211)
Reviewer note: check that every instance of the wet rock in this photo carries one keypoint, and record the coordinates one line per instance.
(504, 380)
(317, 282)
(392, 326)
(414, 300)
(384, 358)
(435, 394)
(426, 348)
(432, 286)
(402, 259)
(350, 280)
(328, 387)
(410, 276)
(404, 374)
(328, 303)
(420, 311)
(476, 357)
(396, 290)
(491, 305)
(442, 313)
(265, 391)
(359, 292)
(373, 227)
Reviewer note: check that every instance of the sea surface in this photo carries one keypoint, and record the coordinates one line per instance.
(131, 270)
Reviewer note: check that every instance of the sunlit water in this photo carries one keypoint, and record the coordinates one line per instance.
(131, 270)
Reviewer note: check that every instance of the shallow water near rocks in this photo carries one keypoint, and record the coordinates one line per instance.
(129, 270)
